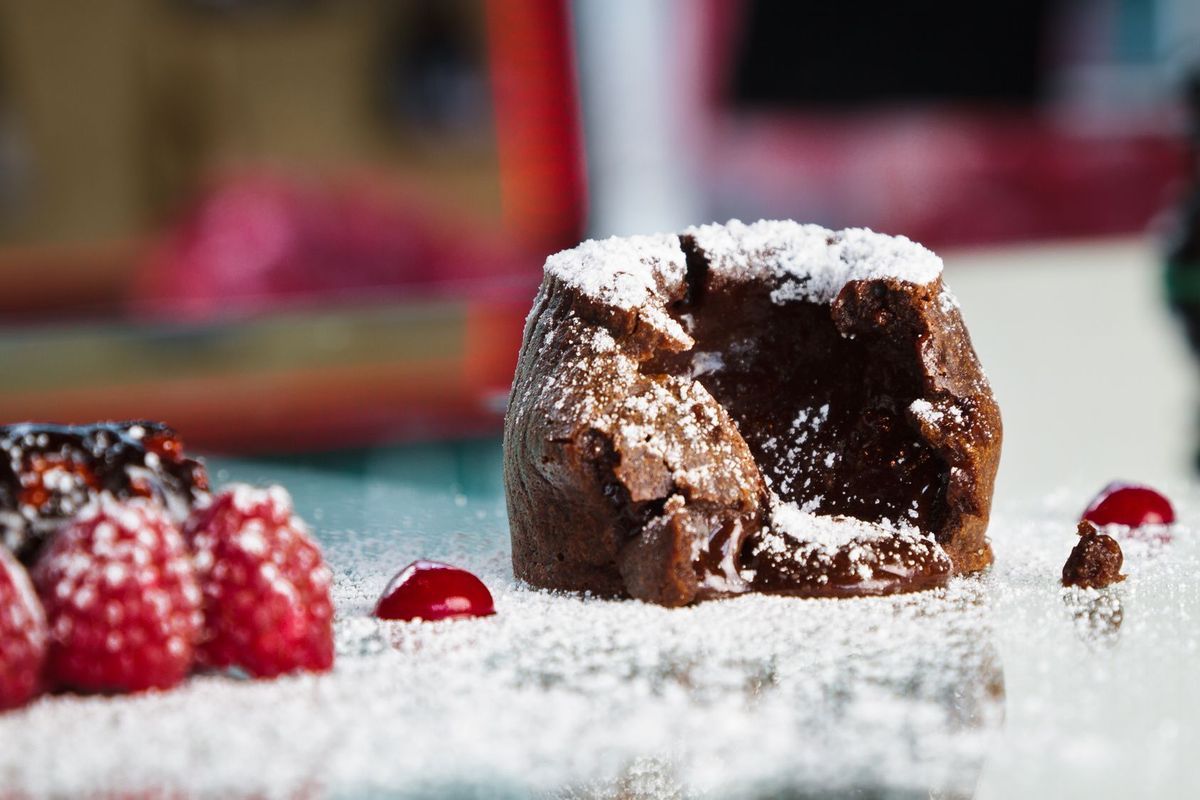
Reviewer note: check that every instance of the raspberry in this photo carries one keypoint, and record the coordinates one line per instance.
(22, 635)
(121, 600)
(430, 590)
(267, 608)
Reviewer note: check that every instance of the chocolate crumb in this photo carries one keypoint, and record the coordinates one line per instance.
(1095, 562)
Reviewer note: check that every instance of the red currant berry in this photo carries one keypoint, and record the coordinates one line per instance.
(429, 590)
(1129, 504)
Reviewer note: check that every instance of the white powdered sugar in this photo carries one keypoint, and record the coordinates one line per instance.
(829, 534)
(798, 535)
(932, 414)
(924, 410)
(704, 362)
(810, 262)
(630, 273)
(669, 427)
(1002, 685)
(554, 696)
(805, 262)
(246, 499)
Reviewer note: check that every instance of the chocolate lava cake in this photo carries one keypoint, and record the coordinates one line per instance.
(772, 407)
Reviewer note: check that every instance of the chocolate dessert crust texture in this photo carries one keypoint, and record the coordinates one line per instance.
(770, 407)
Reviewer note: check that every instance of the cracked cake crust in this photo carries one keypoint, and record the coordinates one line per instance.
(664, 434)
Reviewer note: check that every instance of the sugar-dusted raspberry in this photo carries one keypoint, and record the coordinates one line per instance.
(22, 635)
(121, 600)
(266, 587)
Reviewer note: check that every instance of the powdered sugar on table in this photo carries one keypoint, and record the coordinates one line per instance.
(1001, 681)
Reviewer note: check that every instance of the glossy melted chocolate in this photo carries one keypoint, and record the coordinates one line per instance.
(48, 472)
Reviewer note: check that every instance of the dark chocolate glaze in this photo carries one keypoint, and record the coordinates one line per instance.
(48, 472)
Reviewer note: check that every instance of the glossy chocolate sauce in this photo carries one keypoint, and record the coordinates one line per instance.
(48, 472)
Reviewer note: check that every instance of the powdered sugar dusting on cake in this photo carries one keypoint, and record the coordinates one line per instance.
(630, 273)
(704, 362)
(924, 410)
(809, 262)
(794, 451)
(812, 543)
(829, 534)
(670, 427)
(939, 413)
(948, 301)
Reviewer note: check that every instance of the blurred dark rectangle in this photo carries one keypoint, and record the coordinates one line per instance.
(855, 53)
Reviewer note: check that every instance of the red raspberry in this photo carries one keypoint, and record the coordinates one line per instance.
(121, 599)
(266, 588)
(22, 635)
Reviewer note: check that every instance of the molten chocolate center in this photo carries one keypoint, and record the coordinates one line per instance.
(827, 419)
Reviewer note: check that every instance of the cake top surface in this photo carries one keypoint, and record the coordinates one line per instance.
(807, 262)
(633, 272)
(813, 263)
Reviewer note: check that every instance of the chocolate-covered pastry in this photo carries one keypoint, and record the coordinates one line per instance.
(774, 407)
(48, 472)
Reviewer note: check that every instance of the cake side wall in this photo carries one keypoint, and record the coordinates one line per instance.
(562, 527)
(614, 477)
(958, 415)
(983, 439)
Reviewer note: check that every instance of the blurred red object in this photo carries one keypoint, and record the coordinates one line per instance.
(260, 242)
(538, 129)
(947, 173)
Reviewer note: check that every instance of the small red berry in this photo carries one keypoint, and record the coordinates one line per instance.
(430, 590)
(22, 635)
(266, 587)
(1131, 505)
(121, 600)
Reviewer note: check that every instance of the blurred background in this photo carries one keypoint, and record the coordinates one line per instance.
(311, 225)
